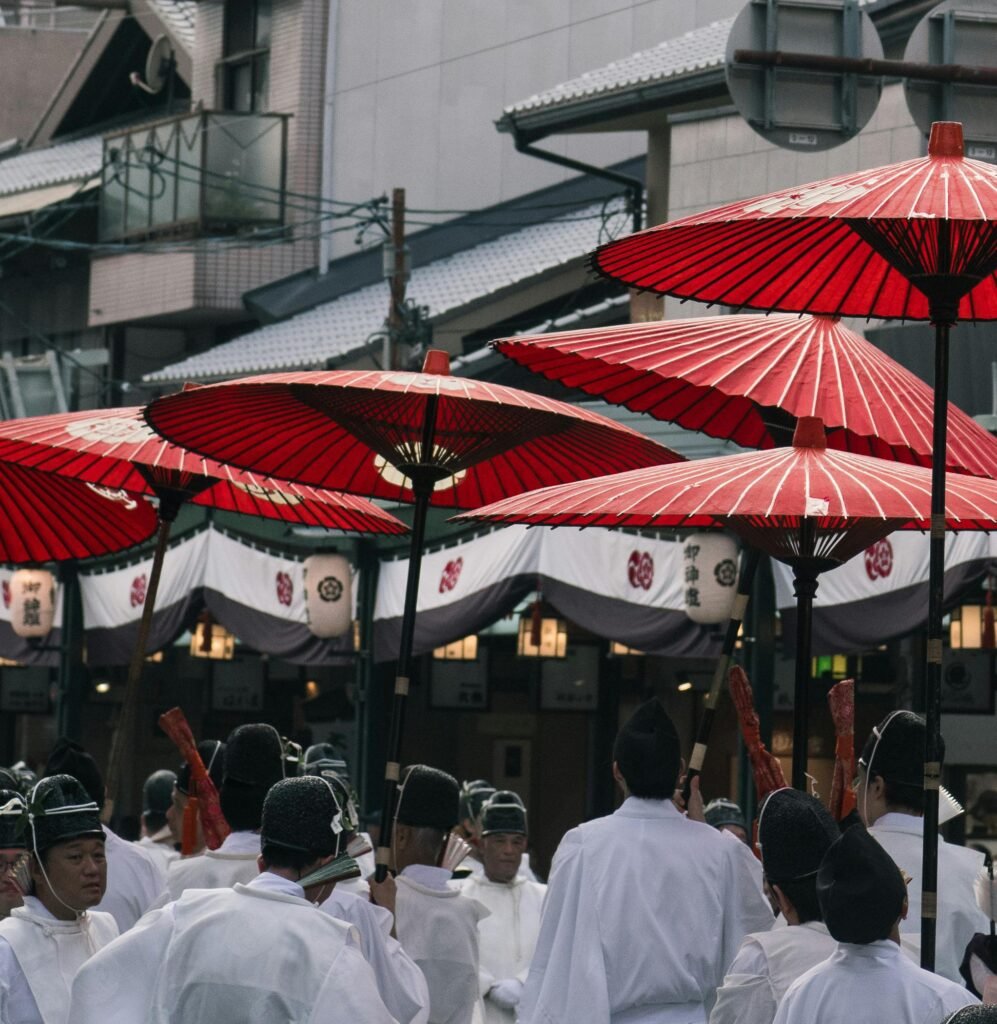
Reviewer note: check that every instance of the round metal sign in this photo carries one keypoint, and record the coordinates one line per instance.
(961, 33)
(800, 107)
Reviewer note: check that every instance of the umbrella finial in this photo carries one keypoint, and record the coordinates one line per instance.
(809, 433)
(437, 361)
(946, 139)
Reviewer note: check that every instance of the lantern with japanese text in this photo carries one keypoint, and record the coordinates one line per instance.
(32, 603)
(709, 566)
(328, 595)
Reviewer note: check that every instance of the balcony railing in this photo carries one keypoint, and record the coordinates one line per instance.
(203, 173)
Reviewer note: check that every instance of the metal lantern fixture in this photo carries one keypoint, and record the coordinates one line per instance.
(328, 595)
(710, 575)
(553, 639)
(32, 603)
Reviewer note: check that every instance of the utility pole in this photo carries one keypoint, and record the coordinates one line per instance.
(396, 271)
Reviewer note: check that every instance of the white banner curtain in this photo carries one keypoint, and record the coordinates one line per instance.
(881, 594)
(255, 594)
(618, 586)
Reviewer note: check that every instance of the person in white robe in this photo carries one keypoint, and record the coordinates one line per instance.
(436, 925)
(400, 982)
(45, 941)
(794, 832)
(135, 880)
(508, 935)
(13, 846)
(645, 908)
(255, 953)
(890, 801)
(253, 762)
(156, 838)
(868, 978)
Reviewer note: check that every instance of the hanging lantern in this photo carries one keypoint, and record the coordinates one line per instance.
(328, 598)
(32, 602)
(710, 577)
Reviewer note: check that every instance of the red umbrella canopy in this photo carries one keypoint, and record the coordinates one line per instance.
(726, 376)
(364, 431)
(764, 496)
(115, 449)
(869, 243)
(48, 518)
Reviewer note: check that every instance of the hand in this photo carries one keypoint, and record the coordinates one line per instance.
(383, 893)
(506, 993)
(695, 811)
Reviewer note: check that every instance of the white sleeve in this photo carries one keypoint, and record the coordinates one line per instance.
(567, 982)
(17, 1003)
(349, 992)
(116, 985)
(746, 993)
(747, 908)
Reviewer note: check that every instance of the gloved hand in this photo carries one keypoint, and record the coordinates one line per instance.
(506, 993)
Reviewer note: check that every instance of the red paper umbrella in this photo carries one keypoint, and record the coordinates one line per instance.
(46, 518)
(805, 505)
(116, 452)
(731, 376)
(425, 437)
(914, 240)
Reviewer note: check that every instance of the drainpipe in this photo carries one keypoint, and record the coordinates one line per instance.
(328, 125)
(634, 186)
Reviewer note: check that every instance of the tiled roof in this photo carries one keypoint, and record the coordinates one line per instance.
(695, 51)
(343, 325)
(66, 162)
(179, 16)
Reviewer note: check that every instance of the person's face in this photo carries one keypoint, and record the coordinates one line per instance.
(75, 874)
(502, 853)
(10, 893)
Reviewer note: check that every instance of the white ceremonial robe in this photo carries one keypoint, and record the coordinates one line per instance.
(400, 982)
(870, 984)
(507, 936)
(252, 954)
(959, 915)
(765, 966)
(162, 853)
(135, 881)
(438, 928)
(233, 861)
(645, 911)
(39, 957)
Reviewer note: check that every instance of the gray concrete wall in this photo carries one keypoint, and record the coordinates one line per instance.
(419, 86)
(32, 64)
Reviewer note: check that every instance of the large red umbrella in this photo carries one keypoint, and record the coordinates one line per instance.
(425, 437)
(45, 518)
(807, 506)
(748, 378)
(914, 240)
(116, 453)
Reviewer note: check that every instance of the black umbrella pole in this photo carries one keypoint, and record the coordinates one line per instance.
(805, 586)
(749, 563)
(933, 682)
(392, 767)
(122, 734)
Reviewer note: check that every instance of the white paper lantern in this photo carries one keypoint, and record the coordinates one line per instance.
(709, 564)
(32, 602)
(328, 598)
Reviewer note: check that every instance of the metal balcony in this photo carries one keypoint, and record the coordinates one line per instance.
(214, 173)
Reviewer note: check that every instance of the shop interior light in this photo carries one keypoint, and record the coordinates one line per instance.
(211, 640)
(966, 627)
(685, 687)
(621, 650)
(553, 638)
(464, 649)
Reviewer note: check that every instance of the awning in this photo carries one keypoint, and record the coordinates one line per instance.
(37, 198)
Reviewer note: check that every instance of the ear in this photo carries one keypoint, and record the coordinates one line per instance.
(401, 836)
(261, 864)
(904, 911)
(785, 906)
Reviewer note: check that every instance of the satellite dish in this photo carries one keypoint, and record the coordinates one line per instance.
(803, 109)
(959, 32)
(159, 64)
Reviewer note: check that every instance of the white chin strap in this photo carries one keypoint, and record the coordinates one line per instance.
(878, 732)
